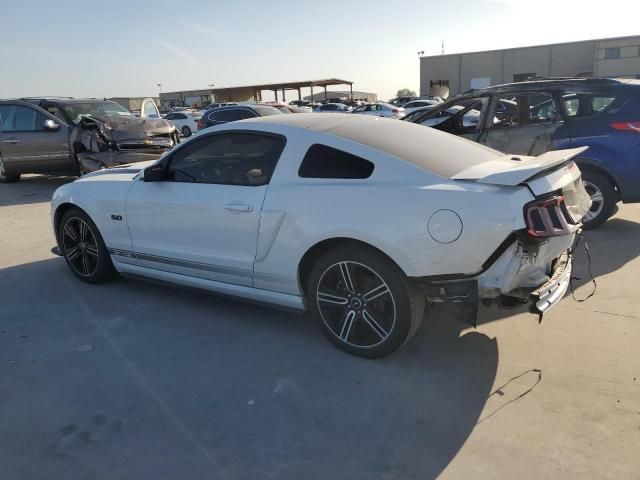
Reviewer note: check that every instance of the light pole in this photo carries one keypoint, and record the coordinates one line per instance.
(160, 87)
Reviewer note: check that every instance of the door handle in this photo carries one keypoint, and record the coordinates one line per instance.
(11, 140)
(238, 207)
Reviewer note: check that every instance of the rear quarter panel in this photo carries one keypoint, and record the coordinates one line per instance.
(389, 211)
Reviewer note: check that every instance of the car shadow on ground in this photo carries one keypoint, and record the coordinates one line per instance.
(31, 189)
(201, 386)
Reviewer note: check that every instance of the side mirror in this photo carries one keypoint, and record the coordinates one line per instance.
(154, 173)
(51, 125)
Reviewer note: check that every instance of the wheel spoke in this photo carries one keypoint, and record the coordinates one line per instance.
(597, 197)
(376, 292)
(346, 277)
(375, 326)
(83, 231)
(92, 250)
(85, 264)
(346, 326)
(72, 253)
(68, 231)
(331, 298)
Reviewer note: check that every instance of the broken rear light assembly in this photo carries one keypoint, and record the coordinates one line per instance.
(626, 126)
(548, 217)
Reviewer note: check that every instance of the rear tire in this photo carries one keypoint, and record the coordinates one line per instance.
(362, 302)
(83, 248)
(186, 131)
(603, 197)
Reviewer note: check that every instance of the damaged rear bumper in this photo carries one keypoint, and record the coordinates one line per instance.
(547, 296)
(525, 273)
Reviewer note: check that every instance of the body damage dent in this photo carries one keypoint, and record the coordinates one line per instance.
(102, 142)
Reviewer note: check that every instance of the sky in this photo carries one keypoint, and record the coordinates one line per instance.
(125, 48)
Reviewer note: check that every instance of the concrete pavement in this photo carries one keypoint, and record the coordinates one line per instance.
(137, 380)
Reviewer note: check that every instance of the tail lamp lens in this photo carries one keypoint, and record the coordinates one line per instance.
(546, 218)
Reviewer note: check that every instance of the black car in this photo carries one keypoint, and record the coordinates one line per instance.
(73, 136)
(233, 113)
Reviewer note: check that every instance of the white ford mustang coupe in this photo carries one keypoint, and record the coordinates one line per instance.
(361, 220)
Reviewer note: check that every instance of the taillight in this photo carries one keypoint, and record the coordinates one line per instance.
(626, 126)
(547, 217)
(200, 125)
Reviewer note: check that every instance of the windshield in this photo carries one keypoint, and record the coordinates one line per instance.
(76, 111)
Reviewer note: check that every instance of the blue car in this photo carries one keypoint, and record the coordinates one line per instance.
(530, 118)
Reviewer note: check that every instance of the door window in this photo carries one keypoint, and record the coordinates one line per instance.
(524, 109)
(17, 118)
(229, 159)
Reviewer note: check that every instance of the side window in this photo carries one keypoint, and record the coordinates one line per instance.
(600, 103)
(584, 105)
(229, 159)
(571, 104)
(16, 118)
(326, 162)
(524, 109)
(171, 116)
(180, 116)
(56, 112)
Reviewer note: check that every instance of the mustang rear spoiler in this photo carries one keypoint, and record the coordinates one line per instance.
(512, 170)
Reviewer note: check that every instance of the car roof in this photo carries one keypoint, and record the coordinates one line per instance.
(433, 150)
(66, 100)
(555, 83)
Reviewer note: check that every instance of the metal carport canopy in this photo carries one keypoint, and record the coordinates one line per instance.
(275, 87)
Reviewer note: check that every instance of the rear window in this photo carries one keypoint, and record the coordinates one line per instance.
(327, 162)
(437, 152)
(264, 111)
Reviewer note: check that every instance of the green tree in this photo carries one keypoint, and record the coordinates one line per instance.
(405, 92)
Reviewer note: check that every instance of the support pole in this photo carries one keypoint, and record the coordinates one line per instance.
(299, 94)
(313, 100)
(325, 92)
(284, 98)
(275, 92)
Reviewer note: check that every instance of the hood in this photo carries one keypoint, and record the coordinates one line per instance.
(120, 173)
(511, 170)
(129, 127)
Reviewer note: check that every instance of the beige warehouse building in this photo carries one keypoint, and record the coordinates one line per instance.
(453, 74)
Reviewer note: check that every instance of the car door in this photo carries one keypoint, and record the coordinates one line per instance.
(202, 218)
(532, 124)
(32, 141)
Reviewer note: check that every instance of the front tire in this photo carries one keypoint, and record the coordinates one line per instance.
(5, 177)
(362, 302)
(83, 248)
(603, 199)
